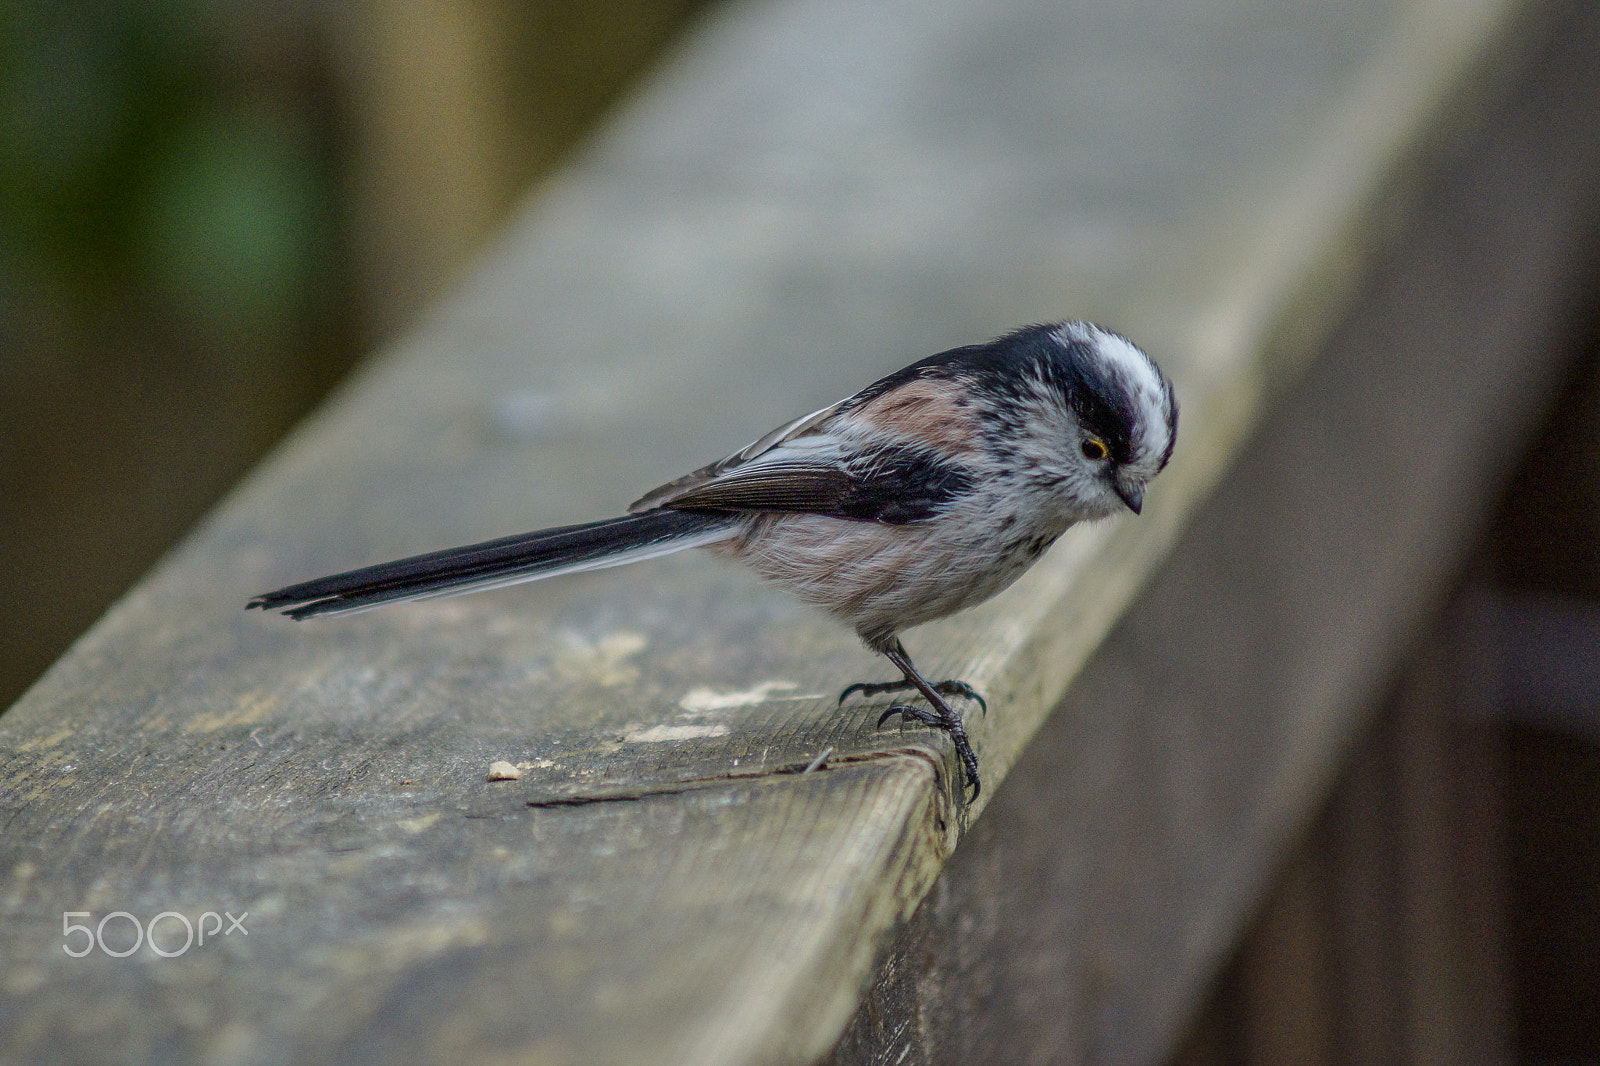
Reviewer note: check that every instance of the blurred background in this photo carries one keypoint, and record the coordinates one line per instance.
(209, 209)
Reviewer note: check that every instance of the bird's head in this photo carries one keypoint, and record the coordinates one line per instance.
(1100, 417)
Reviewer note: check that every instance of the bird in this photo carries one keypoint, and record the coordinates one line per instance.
(927, 492)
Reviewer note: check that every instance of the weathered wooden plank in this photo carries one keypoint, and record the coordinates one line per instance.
(530, 921)
(814, 194)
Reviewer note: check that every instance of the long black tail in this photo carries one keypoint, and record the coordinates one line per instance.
(526, 557)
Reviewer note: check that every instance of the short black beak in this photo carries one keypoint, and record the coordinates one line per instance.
(1133, 497)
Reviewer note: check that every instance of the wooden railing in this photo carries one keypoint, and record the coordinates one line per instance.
(1346, 232)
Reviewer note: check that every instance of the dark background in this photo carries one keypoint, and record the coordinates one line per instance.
(210, 210)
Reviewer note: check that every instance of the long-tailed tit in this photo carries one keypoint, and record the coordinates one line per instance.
(926, 492)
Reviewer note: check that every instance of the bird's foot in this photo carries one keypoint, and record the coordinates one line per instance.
(950, 724)
(908, 710)
(943, 688)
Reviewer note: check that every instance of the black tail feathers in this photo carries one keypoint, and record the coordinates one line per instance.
(506, 561)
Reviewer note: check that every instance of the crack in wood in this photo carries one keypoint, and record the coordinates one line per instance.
(699, 784)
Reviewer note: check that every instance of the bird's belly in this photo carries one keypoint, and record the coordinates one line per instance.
(878, 578)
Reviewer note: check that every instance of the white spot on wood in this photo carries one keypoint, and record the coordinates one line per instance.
(420, 823)
(658, 733)
(603, 662)
(704, 700)
(500, 770)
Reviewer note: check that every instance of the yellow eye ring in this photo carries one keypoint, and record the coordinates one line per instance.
(1094, 449)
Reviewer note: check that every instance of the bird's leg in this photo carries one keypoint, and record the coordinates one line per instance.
(943, 688)
(941, 717)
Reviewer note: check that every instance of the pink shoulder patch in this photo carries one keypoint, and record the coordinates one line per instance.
(934, 413)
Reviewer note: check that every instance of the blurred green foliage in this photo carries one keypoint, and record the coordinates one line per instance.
(149, 162)
(173, 288)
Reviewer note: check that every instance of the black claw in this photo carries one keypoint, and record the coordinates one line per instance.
(942, 716)
(943, 688)
(969, 762)
(906, 710)
(952, 726)
(866, 688)
(965, 691)
(874, 688)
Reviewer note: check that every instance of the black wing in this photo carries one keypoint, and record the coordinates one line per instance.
(896, 484)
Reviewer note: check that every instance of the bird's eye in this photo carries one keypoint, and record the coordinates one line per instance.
(1094, 450)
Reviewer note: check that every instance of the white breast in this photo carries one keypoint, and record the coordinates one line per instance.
(883, 578)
